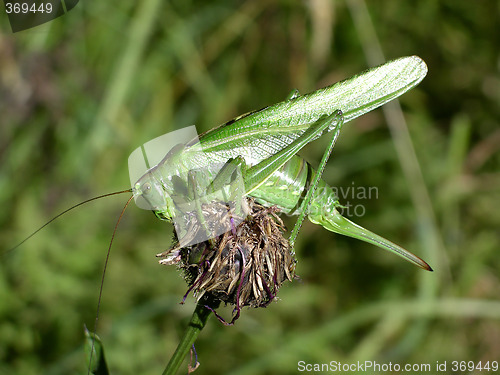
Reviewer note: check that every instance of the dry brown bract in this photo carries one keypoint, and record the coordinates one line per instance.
(244, 266)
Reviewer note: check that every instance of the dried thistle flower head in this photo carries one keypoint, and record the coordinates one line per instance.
(245, 266)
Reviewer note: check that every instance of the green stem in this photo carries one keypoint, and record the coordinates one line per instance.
(196, 324)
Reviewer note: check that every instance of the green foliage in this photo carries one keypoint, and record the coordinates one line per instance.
(79, 94)
(95, 354)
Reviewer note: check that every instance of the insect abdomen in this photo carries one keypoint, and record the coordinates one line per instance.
(286, 188)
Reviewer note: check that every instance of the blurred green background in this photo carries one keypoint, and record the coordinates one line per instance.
(79, 94)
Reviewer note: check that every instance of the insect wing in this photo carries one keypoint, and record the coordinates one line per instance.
(263, 133)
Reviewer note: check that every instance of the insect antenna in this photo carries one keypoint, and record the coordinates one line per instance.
(102, 279)
(62, 213)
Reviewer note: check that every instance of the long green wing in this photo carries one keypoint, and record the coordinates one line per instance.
(260, 134)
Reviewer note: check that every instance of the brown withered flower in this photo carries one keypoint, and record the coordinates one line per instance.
(245, 266)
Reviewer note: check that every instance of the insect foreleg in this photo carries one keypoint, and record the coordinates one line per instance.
(195, 189)
(233, 169)
(338, 120)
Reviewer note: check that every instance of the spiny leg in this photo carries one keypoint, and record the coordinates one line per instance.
(227, 174)
(197, 199)
(339, 120)
(230, 186)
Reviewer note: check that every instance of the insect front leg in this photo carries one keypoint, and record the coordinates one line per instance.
(198, 199)
(229, 181)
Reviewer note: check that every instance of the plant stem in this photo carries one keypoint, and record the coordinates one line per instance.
(196, 324)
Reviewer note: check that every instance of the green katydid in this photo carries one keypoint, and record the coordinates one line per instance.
(264, 145)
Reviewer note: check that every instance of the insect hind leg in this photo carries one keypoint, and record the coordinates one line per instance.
(336, 120)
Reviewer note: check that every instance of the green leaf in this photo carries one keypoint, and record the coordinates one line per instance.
(94, 353)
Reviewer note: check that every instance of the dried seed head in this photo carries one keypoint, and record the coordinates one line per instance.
(245, 266)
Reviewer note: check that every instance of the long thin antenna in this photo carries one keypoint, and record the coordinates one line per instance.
(62, 213)
(102, 280)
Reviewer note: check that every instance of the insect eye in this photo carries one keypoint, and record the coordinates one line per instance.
(146, 187)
